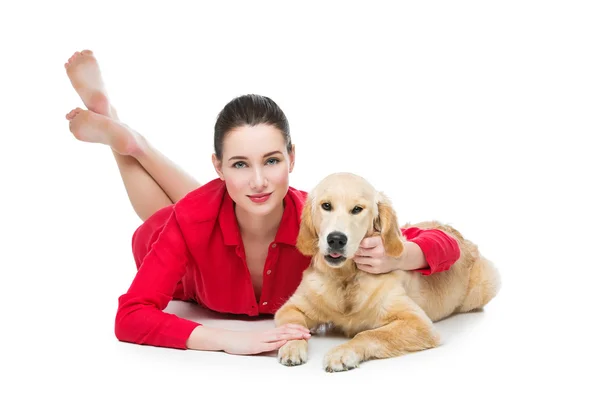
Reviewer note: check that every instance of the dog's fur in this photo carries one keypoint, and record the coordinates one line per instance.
(385, 314)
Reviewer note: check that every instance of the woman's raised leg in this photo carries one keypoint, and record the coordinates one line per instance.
(151, 179)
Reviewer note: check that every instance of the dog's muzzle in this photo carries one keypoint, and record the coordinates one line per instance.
(337, 243)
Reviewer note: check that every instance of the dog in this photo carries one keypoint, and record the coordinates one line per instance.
(385, 315)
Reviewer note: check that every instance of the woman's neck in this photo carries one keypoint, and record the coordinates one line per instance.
(259, 228)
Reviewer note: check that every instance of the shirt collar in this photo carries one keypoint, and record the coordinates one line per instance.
(286, 234)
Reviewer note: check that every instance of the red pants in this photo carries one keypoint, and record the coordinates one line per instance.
(145, 236)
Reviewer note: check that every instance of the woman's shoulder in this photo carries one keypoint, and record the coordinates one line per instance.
(298, 198)
(202, 203)
(297, 194)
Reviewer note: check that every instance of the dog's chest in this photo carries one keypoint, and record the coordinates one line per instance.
(347, 297)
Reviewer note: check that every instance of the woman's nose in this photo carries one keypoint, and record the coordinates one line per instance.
(259, 180)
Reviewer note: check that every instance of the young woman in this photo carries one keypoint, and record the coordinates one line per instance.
(228, 244)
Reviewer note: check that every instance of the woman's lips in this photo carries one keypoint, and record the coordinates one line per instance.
(260, 198)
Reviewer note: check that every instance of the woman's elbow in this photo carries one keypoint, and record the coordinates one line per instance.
(126, 325)
(122, 327)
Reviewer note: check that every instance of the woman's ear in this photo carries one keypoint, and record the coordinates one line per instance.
(292, 155)
(218, 166)
(387, 223)
(308, 240)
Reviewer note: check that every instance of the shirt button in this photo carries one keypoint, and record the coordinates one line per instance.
(269, 272)
(264, 303)
(274, 245)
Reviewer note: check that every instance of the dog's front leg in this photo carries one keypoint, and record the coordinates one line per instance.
(294, 352)
(405, 333)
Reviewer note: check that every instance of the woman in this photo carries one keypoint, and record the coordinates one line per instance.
(228, 244)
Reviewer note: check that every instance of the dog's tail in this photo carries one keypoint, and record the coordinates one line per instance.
(484, 285)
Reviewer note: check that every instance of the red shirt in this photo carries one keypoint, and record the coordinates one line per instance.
(193, 251)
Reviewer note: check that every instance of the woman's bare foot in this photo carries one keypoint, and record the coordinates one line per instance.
(84, 72)
(92, 127)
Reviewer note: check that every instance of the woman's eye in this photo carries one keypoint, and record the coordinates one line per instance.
(356, 210)
(272, 161)
(326, 206)
(238, 164)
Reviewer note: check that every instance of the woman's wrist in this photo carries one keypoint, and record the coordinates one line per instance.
(205, 338)
(411, 258)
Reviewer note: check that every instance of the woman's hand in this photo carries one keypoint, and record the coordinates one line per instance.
(371, 257)
(255, 342)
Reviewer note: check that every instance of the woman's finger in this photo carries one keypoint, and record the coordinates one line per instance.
(363, 260)
(284, 333)
(272, 345)
(287, 336)
(364, 267)
(362, 252)
(296, 326)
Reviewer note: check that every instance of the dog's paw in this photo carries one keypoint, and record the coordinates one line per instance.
(341, 359)
(294, 352)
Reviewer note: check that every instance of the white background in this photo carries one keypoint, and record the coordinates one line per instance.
(483, 115)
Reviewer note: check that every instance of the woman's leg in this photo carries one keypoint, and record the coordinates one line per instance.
(152, 181)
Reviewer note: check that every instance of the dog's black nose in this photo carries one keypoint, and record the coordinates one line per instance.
(337, 240)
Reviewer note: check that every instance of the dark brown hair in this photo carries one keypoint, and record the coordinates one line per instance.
(250, 110)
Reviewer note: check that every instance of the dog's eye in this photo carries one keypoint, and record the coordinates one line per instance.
(326, 206)
(356, 210)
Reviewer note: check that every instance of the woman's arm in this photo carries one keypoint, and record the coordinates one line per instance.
(431, 251)
(411, 258)
(140, 317)
(425, 250)
(244, 342)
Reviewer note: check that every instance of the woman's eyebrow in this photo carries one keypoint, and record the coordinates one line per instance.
(272, 153)
(245, 158)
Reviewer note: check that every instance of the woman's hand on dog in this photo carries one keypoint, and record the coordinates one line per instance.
(371, 257)
(255, 342)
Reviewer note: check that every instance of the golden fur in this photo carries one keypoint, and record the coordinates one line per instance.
(385, 314)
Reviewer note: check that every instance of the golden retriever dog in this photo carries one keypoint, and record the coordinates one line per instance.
(385, 315)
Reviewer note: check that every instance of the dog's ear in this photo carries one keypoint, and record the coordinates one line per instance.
(308, 240)
(387, 223)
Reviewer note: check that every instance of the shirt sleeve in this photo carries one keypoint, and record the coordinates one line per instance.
(441, 250)
(140, 317)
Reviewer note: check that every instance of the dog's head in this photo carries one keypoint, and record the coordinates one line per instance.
(339, 213)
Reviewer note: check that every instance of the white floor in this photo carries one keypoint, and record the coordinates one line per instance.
(515, 347)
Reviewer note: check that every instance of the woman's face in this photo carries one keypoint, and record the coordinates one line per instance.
(255, 167)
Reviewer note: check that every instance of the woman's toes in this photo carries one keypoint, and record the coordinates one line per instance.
(73, 113)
